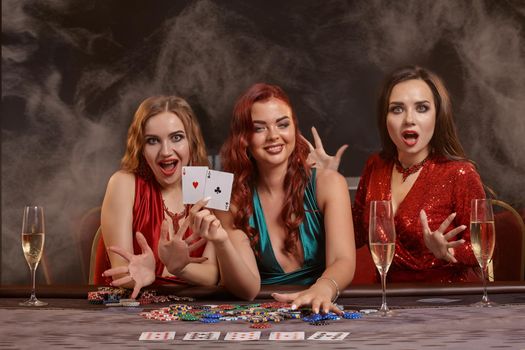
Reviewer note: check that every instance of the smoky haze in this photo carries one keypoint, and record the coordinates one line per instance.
(73, 73)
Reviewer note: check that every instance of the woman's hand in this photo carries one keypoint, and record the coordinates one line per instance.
(318, 157)
(205, 224)
(438, 242)
(141, 268)
(175, 253)
(319, 296)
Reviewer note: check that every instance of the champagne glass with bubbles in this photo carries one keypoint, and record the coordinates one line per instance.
(483, 239)
(382, 241)
(33, 234)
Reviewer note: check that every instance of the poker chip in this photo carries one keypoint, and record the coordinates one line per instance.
(210, 320)
(130, 303)
(330, 316)
(368, 311)
(351, 315)
(189, 317)
(260, 325)
(313, 318)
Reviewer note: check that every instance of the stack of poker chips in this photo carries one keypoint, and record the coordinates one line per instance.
(257, 315)
(110, 296)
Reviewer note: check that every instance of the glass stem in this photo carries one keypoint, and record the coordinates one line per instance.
(484, 276)
(384, 308)
(33, 274)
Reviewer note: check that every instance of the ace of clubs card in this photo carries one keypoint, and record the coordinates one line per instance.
(219, 189)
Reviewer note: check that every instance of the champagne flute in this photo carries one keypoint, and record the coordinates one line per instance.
(483, 239)
(33, 234)
(382, 238)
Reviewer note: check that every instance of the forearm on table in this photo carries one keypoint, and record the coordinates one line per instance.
(235, 274)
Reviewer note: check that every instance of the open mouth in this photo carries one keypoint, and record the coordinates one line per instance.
(168, 166)
(410, 137)
(274, 149)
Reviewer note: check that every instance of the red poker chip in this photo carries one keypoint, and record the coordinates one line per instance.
(263, 325)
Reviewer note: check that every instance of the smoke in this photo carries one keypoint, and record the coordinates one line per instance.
(490, 50)
(74, 129)
(73, 73)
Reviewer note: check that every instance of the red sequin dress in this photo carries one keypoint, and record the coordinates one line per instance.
(442, 188)
(148, 214)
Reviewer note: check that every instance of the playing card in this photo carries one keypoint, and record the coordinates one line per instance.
(242, 336)
(193, 183)
(157, 336)
(202, 336)
(286, 336)
(328, 336)
(219, 189)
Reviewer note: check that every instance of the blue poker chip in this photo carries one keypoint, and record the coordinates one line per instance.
(210, 315)
(210, 320)
(351, 315)
(330, 316)
(312, 318)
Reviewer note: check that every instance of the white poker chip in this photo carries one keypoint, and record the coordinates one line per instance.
(367, 311)
(130, 303)
(113, 304)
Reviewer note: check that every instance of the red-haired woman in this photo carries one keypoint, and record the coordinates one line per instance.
(288, 223)
(424, 171)
(143, 205)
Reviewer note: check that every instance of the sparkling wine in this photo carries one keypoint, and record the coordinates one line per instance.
(33, 244)
(382, 253)
(483, 238)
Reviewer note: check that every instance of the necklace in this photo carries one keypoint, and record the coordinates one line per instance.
(175, 217)
(406, 172)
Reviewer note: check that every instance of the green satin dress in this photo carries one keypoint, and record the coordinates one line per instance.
(311, 234)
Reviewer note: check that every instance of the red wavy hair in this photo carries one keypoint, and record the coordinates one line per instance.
(236, 158)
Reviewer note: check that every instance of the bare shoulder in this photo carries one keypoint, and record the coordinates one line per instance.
(122, 178)
(331, 188)
(122, 184)
(328, 179)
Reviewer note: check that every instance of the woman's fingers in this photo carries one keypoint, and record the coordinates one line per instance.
(317, 139)
(115, 271)
(196, 245)
(455, 244)
(335, 309)
(164, 231)
(450, 258)
(340, 152)
(136, 291)
(284, 297)
(143, 243)
(198, 206)
(424, 222)
(183, 227)
(443, 227)
(310, 146)
(198, 260)
(316, 304)
(121, 281)
(452, 233)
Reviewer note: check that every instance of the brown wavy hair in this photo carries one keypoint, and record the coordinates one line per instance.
(133, 159)
(445, 141)
(237, 159)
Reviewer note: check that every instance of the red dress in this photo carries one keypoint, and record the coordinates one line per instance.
(148, 214)
(442, 188)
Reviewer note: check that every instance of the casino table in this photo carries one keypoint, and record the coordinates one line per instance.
(426, 316)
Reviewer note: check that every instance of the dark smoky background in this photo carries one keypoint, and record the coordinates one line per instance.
(74, 71)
